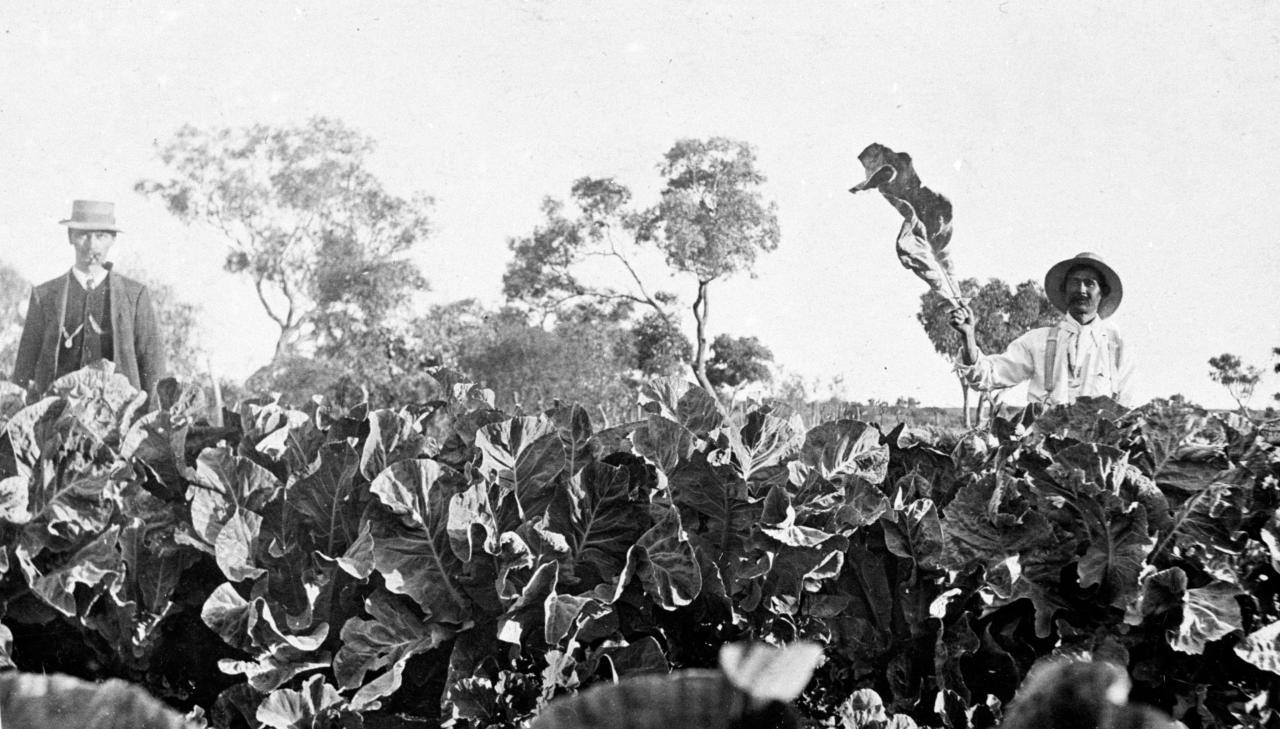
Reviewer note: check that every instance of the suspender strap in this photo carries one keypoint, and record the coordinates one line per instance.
(1050, 351)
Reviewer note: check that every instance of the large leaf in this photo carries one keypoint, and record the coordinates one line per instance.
(575, 433)
(527, 617)
(665, 562)
(864, 503)
(160, 441)
(983, 525)
(234, 546)
(1089, 468)
(717, 509)
(14, 491)
(976, 529)
(159, 438)
(863, 630)
(97, 566)
(223, 483)
(32, 433)
(665, 443)
(473, 520)
(634, 659)
(675, 399)
(764, 441)
(795, 570)
(384, 643)
(154, 563)
(325, 497)
(76, 507)
(661, 396)
(1206, 527)
(13, 398)
(100, 402)
(525, 454)
(1161, 591)
(699, 411)
(414, 554)
(1173, 456)
(778, 521)
(846, 448)
(251, 626)
(1116, 556)
(915, 533)
(1086, 419)
(294, 444)
(304, 709)
(562, 612)
(595, 515)
(1262, 648)
(392, 437)
(1208, 613)
(418, 491)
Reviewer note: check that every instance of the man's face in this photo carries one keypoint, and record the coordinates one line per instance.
(1084, 292)
(91, 246)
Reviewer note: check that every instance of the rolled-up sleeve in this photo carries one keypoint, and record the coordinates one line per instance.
(996, 371)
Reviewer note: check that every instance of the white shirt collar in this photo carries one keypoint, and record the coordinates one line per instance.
(87, 282)
(1069, 324)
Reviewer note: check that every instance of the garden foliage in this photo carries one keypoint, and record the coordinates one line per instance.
(450, 563)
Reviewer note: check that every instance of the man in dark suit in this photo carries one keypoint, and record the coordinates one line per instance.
(90, 313)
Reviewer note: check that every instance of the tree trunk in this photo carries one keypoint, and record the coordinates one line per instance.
(282, 346)
(968, 422)
(700, 355)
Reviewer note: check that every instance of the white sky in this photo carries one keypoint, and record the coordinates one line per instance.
(1145, 132)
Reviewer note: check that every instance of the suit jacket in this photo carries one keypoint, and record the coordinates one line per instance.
(138, 352)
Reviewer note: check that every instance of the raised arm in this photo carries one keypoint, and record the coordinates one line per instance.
(962, 321)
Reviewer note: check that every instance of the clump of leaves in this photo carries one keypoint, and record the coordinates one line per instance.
(446, 562)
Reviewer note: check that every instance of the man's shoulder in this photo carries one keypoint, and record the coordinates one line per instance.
(53, 285)
(1113, 332)
(128, 285)
(1037, 334)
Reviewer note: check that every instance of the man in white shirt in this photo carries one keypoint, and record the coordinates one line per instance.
(1083, 355)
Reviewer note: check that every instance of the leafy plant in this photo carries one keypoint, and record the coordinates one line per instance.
(446, 563)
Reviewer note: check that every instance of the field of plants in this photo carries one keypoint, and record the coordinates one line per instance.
(450, 564)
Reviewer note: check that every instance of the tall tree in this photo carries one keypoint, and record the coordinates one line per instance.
(715, 220)
(711, 222)
(738, 360)
(1001, 316)
(545, 272)
(305, 220)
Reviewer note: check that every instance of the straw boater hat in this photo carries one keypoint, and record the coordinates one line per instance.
(1056, 275)
(92, 215)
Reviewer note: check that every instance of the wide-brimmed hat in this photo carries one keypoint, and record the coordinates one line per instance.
(92, 215)
(1058, 273)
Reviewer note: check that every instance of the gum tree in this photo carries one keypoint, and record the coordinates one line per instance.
(711, 222)
(715, 221)
(304, 219)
